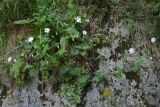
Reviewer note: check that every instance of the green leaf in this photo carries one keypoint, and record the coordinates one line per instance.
(24, 21)
(40, 53)
(83, 46)
(83, 79)
(16, 70)
(45, 49)
(63, 45)
(33, 73)
(137, 65)
(73, 33)
(74, 51)
(27, 66)
(76, 71)
(99, 77)
(53, 59)
(27, 45)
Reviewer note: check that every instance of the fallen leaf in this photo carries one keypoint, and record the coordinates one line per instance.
(107, 92)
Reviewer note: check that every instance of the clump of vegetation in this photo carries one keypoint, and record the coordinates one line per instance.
(59, 42)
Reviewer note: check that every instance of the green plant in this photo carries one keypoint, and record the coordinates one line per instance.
(99, 77)
(118, 72)
(73, 93)
(57, 44)
(137, 65)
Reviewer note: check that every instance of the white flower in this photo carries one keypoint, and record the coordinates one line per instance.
(153, 39)
(22, 54)
(78, 19)
(46, 30)
(30, 39)
(150, 58)
(131, 50)
(87, 20)
(9, 59)
(84, 32)
(133, 83)
(14, 60)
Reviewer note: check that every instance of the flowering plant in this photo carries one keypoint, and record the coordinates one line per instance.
(56, 44)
